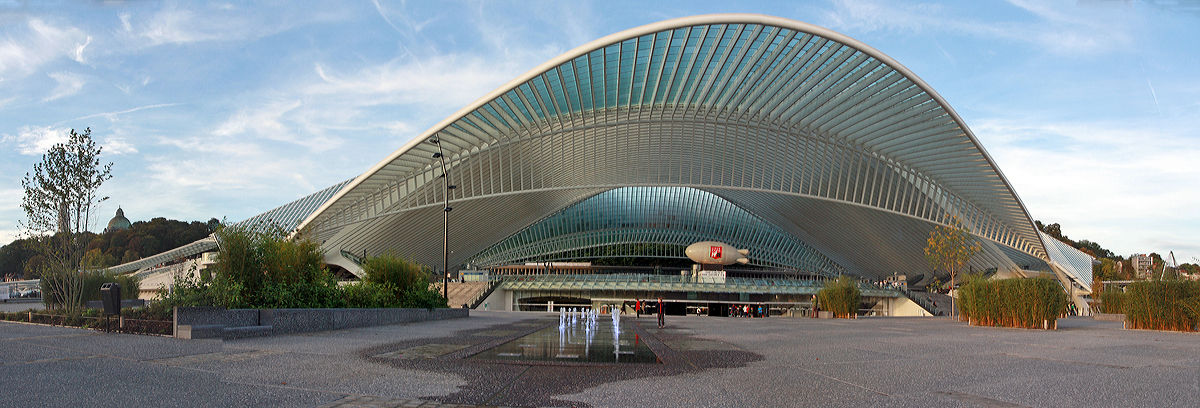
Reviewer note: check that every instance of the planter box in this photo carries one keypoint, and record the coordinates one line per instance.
(1109, 317)
(823, 314)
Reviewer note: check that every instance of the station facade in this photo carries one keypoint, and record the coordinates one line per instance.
(820, 154)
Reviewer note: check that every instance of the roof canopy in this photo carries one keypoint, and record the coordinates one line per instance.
(825, 138)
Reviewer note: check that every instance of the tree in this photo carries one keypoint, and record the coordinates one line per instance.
(60, 198)
(950, 247)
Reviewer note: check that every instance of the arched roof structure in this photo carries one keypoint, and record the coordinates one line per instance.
(823, 137)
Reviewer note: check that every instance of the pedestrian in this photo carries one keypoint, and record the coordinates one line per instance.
(638, 309)
(661, 319)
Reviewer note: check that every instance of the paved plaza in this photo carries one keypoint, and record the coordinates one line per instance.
(706, 361)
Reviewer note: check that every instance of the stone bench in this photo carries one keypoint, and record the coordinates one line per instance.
(212, 322)
(199, 331)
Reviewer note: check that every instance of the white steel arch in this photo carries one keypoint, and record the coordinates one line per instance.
(826, 137)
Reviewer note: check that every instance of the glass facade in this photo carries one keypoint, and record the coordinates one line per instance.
(672, 216)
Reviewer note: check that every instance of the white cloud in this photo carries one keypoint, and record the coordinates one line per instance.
(173, 26)
(35, 140)
(1055, 27)
(441, 81)
(79, 50)
(1128, 187)
(219, 22)
(264, 121)
(68, 84)
(118, 146)
(271, 122)
(112, 116)
(10, 212)
(23, 53)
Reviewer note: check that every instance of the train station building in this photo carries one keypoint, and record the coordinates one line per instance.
(820, 155)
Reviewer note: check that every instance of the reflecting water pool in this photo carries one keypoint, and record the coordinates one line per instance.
(581, 336)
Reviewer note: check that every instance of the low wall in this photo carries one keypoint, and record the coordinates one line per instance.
(208, 322)
(1109, 317)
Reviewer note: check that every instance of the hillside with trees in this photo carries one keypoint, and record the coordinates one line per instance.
(20, 260)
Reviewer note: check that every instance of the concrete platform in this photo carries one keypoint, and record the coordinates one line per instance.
(707, 361)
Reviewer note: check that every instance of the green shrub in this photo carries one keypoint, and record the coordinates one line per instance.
(321, 292)
(192, 290)
(1026, 303)
(402, 275)
(1112, 301)
(1163, 305)
(92, 280)
(424, 297)
(369, 295)
(262, 268)
(259, 266)
(840, 296)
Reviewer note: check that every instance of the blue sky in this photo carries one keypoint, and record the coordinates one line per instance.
(1090, 108)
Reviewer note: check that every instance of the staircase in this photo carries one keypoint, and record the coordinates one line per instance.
(462, 293)
(935, 303)
(483, 295)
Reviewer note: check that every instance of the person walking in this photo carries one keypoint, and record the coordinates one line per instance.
(661, 319)
(637, 308)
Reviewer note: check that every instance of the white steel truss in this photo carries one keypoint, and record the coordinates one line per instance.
(821, 135)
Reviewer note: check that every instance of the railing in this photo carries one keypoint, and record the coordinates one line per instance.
(801, 285)
(924, 303)
(483, 295)
(111, 324)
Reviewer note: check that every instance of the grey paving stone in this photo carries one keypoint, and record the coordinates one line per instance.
(707, 362)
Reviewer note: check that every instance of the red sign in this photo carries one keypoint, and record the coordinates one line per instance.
(714, 252)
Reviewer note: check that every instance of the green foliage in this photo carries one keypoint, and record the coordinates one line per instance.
(60, 289)
(1163, 305)
(92, 280)
(14, 257)
(261, 268)
(59, 201)
(1112, 301)
(322, 292)
(19, 259)
(271, 270)
(369, 295)
(95, 259)
(73, 289)
(192, 290)
(423, 297)
(840, 296)
(950, 248)
(1025, 303)
(402, 275)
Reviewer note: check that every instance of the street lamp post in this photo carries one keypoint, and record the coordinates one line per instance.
(445, 219)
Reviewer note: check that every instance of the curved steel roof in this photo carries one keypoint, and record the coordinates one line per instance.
(815, 132)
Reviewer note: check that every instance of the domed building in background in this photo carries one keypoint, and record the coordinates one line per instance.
(118, 223)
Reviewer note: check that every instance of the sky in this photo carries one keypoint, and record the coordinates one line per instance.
(1091, 109)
